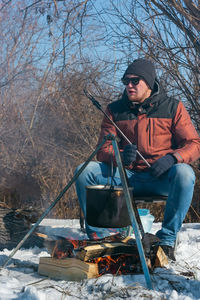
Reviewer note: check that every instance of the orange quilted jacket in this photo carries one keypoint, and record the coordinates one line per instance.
(160, 125)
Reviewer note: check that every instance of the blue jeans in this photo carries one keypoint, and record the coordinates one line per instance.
(177, 184)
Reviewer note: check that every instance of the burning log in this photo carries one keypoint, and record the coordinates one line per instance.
(74, 269)
(124, 264)
(61, 247)
(89, 253)
(76, 260)
(86, 250)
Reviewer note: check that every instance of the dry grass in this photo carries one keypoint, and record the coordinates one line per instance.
(68, 206)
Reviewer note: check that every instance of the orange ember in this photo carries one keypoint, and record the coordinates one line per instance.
(69, 246)
(118, 264)
(62, 249)
(115, 264)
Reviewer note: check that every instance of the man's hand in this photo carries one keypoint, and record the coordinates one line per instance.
(162, 165)
(129, 154)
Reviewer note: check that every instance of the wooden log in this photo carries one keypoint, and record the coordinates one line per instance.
(74, 269)
(161, 259)
(71, 269)
(61, 247)
(104, 249)
(14, 224)
(125, 246)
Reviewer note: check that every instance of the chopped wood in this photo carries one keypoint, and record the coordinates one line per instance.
(105, 249)
(84, 259)
(14, 224)
(161, 259)
(71, 269)
(60, 247)
(75, 269)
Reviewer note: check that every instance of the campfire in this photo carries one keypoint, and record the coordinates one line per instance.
(122, 264)
(79, 259)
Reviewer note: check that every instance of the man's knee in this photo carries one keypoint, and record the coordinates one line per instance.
(183, 173)
(91, 165)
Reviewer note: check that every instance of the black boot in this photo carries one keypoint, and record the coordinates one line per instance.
(169, 251)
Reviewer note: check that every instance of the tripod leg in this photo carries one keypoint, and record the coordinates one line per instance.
(132, 214)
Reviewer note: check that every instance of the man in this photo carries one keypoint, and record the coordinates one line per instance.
(160, 128)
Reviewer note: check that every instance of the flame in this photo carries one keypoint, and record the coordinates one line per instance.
(77, 244)
(60, 254)
(69, 245)
(62, 249)
(117, 264)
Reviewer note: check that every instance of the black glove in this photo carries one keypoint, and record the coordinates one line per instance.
(162, 165)
(129, 154)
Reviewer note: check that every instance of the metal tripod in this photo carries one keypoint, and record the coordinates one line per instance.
(132, 213)
(131, 210)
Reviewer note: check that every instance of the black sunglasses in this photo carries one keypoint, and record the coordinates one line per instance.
(133, 80)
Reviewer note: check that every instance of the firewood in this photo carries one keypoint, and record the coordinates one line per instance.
(104, 249)
(71, 269)
(14, 224)
(60, 247)
(116, 264)
(161, 259)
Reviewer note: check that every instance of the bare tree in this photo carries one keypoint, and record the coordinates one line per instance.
(38, 45)
(51, 50)
(166, 32)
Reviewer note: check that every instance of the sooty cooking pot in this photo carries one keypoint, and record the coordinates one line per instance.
(106, 206)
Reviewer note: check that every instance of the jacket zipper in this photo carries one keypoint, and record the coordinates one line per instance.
(149, 129)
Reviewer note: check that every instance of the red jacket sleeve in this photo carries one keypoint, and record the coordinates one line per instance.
(186, 137)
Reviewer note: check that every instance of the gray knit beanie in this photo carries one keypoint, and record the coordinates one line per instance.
(143, 68)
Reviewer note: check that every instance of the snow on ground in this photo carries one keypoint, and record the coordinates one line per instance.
(178, 281)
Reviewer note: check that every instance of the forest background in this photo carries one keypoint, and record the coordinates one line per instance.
(49, 51)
